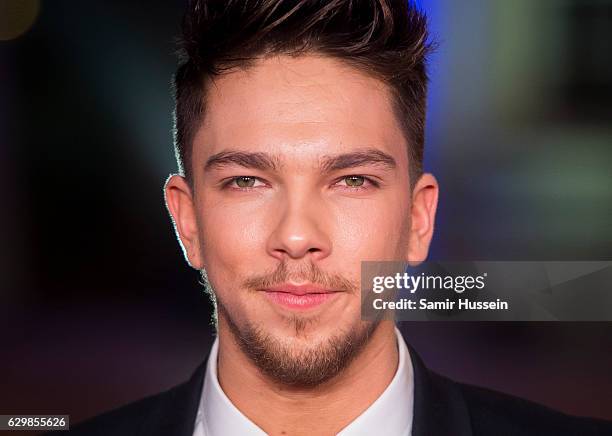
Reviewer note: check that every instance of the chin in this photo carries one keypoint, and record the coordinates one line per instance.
(300, 328)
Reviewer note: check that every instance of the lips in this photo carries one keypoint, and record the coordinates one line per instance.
(299, 297)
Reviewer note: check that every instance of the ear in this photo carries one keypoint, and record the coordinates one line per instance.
(423, 214)
(180, 204)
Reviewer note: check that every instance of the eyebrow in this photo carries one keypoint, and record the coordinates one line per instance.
(328, 163)
(356, 159)
(259, 161)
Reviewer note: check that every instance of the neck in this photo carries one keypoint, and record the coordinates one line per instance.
(325, 409)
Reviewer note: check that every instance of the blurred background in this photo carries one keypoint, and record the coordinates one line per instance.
(97, 306)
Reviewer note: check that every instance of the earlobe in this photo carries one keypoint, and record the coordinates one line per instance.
(423, 214)
(180, 204)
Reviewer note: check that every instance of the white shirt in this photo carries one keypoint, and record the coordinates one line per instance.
(391, 413)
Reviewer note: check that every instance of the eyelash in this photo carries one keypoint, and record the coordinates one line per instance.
(369, 183)
(367, 180)
(226, 184)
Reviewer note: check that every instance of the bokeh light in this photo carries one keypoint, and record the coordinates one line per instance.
(16, 17)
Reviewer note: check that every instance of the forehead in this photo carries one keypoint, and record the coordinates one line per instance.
(307, 106)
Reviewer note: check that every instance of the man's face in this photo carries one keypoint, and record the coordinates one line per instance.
(300, 172)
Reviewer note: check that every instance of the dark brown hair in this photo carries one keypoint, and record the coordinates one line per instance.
(386, 39)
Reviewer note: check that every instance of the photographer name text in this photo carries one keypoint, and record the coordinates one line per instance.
(422, 282)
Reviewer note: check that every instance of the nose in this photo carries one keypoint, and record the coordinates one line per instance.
(300, 230)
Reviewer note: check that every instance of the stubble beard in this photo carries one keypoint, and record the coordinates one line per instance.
(314, 363)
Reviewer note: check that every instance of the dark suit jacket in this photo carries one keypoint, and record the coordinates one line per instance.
(442, 407)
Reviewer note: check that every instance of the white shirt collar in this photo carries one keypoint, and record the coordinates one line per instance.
(392, 410)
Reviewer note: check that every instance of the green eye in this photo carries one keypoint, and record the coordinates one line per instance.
(245, 181)
(354, 180)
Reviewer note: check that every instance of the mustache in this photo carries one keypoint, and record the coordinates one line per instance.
(301, 273)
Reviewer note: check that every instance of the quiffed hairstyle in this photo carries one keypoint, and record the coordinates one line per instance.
(386, 39)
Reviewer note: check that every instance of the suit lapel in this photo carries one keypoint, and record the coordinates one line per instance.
(175, 412)
(439, 407)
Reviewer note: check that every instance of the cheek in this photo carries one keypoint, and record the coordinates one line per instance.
(372, 229)
(229, 234)
(232, 236)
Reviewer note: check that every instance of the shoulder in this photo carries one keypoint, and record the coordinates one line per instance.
(501, 414)
(443, 406)
(170, 412)
(130, 419)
